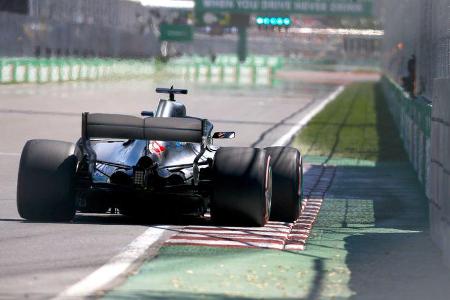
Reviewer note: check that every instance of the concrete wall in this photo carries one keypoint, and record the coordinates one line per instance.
(422, 28)
(440, 167)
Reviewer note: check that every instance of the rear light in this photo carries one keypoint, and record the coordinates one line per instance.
(139, 177)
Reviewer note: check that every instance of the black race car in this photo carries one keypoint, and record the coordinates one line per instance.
(137, 165)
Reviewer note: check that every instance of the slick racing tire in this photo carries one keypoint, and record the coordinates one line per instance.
(45, 186)
(242, 187)
(287, 183)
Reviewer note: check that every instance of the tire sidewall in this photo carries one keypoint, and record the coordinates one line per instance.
(240, 182)
(287, 183)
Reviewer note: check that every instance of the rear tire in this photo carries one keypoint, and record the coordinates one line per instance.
(242, 187)
(46, 181)
(287, 170)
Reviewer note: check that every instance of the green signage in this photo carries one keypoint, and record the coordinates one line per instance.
(176, 33)
(323, 7)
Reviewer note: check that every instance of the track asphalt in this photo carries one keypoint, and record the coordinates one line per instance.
(39, 260)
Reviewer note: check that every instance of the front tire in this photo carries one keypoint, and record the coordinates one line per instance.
(242, 188)
(46, 181)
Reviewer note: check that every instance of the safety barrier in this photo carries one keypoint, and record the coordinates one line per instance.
(223, 73)
(32, 70)
(276, 62)
(413, 119)
(227, 69)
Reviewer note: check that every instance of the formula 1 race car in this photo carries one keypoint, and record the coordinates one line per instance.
(136, 165)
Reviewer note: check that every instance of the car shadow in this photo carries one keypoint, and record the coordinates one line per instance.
(118, 219)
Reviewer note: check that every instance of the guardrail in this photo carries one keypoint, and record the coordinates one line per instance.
(32, 70)
(224, 73)
(227, 69)
(413, 119)
(253, 60)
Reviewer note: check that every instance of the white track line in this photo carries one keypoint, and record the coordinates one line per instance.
(285, 139)
(122, 262)
(117, 266)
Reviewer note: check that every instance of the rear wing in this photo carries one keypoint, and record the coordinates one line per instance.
(188, 129)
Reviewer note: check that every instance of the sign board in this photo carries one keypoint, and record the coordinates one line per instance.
(361, 8)
(176, 33)
(211, 19)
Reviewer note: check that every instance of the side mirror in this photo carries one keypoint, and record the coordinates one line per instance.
(147, 114)
(224, 135)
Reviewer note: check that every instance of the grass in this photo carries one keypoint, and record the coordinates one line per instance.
(356, 125)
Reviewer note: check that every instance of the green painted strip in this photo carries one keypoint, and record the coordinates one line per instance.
(205, 273)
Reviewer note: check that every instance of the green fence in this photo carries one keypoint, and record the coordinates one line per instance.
(224, 69)
(413, 119)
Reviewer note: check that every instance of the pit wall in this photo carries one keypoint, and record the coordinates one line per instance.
(440, 167)
(413, 120)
